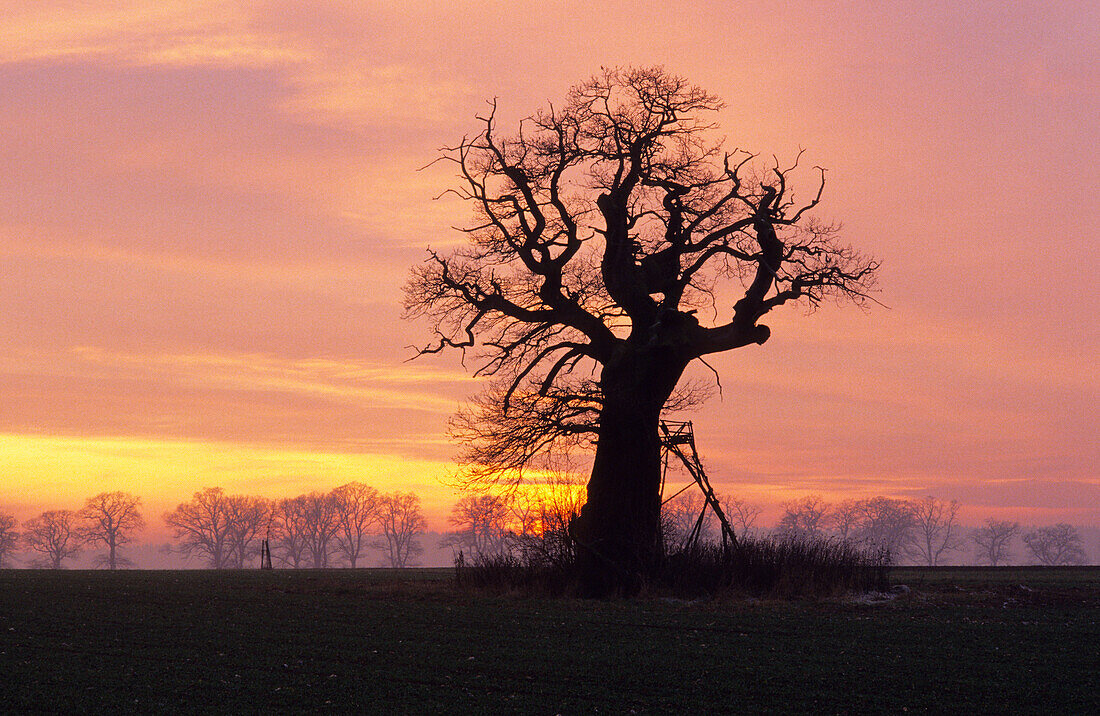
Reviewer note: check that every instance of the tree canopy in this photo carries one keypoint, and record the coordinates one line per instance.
(618, 213)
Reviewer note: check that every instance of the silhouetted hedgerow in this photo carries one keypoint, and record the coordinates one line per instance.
(774, 567)
(783, 568)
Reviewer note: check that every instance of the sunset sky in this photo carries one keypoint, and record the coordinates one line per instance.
(208, 210)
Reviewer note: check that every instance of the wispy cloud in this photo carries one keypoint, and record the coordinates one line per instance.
(168, 32)
(326, 84)
(401, 386)
(348, 93)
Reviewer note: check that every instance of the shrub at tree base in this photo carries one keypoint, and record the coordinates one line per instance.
(512, 573)
(774, 567)
(758, 567)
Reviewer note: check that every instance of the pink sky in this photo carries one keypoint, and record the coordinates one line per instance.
(208, 209)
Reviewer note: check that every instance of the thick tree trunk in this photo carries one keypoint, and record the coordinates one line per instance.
(618, 530)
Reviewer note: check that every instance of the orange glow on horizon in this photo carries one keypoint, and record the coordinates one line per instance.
(66, 470)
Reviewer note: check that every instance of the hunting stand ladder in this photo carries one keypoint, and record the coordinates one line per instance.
(678, 438)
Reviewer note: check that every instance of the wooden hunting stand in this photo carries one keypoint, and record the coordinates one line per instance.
(678, 438)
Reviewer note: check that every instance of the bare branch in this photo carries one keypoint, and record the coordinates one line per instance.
(598, 230)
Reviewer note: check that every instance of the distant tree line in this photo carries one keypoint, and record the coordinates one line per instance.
(312, 530)
(109, 519)
(924, 531)
(336, 528)
(317, 529)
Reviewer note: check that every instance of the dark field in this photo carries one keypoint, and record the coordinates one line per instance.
(376, 641)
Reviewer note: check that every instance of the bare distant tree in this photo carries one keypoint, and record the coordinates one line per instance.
(523, 518)
(844, 520)
(803, 519)
(544, 515)
(993, 542)
(679, 517)
(886, 524)
(53, 534)
(560, 497)
(111, 518)
(741, 514)
(482, 524)
(203, 525)
(321, 525)
(1058, 544)
(401, 520)
(248, 516)
(9, 537)
(289, 529)
(357, 508)
(874, 523)
(937, 530)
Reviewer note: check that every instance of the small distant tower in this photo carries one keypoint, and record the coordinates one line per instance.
(265, 548)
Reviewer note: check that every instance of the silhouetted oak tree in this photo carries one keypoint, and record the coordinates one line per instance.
(605, 229)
